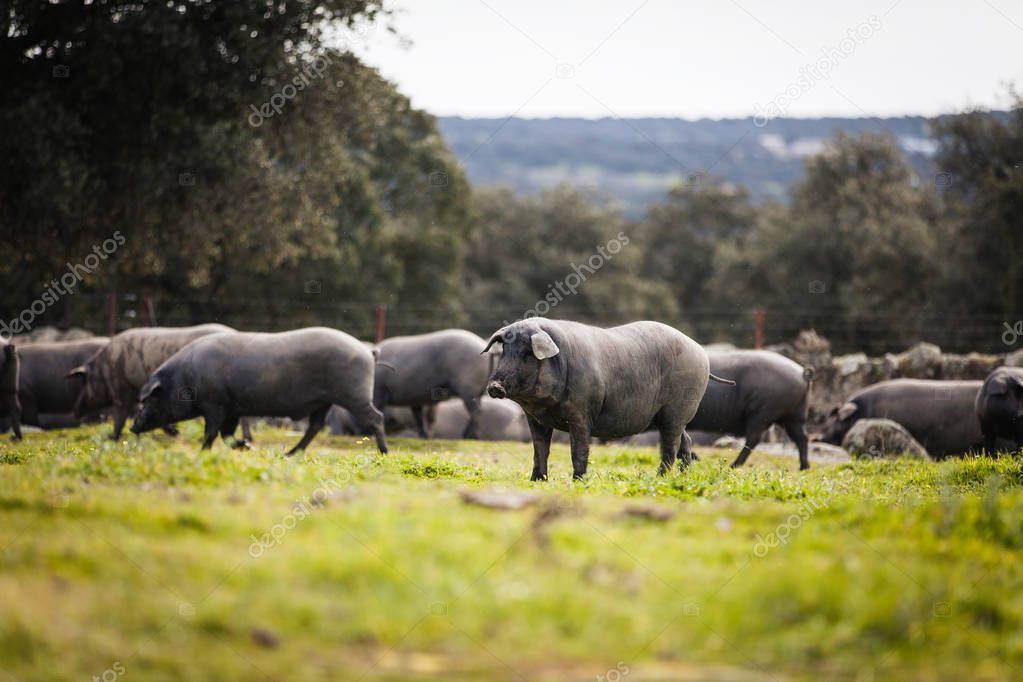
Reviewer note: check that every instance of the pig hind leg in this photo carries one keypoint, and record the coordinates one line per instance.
(579, 435)
(794, 429)
(686, 456)
(316, 422)
(754, 430)
(669, 425)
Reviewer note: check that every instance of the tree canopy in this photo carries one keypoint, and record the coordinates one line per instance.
(250, 165)
(258, 173)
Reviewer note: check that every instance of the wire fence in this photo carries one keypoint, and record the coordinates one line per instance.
(876, 334)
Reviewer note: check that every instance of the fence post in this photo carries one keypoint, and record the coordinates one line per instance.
(148, 312)
(758, 331)
(381, 322)
(111, 313)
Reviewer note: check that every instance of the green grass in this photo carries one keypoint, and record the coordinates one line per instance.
(141, 554)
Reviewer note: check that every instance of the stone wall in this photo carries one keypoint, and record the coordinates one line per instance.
(51, 335)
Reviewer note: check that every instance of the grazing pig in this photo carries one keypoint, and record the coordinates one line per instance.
(43, 384)
(608, 383)
(10, 408)
(941, 415)
(397, 421)
(294, 374)
(114, 375)
(416, 371)
(1000, 407)
(497, 420)
(770, 389)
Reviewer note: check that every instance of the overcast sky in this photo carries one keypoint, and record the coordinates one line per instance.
(699, 58)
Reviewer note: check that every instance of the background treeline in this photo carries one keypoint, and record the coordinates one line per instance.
(137, 117)
(637, 160)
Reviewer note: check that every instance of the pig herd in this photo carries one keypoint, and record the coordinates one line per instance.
(531, 379)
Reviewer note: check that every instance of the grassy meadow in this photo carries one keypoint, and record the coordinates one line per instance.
(147, 559)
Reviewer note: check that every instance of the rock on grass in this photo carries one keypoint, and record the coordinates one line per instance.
(873, 438)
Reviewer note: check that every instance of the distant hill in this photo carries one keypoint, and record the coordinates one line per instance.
(637, 160)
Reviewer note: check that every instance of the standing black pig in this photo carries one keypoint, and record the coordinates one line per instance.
(43, 384)
(294, 374)
(941, 415)
(1000, 407)
(113, 376)
(607, 383)
(770, 389)
(424, 369)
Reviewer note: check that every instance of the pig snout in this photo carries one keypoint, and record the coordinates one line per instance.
(496, 390)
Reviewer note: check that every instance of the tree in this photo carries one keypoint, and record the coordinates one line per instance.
(562, 254)
(681, 237)
(242, 158)
(853, 253)
(980, 159)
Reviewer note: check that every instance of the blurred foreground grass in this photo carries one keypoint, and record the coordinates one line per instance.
(149, 559)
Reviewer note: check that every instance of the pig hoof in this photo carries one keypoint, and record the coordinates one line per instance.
(538, 477)
(242, 445)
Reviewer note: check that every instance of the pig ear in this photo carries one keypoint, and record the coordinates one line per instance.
(847, 410)
(998, 386)
(497, 337)
(543, 345)
(79, 371)
(149, 389)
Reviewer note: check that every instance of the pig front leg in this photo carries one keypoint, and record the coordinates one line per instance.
(541, 448)
(227, 430)
(419, 417)
(14, 414)
(472, 406)
(214, 418)
(246, 430)
(123, 406)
